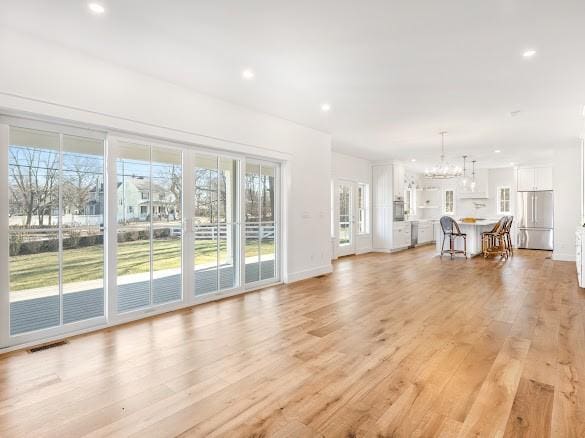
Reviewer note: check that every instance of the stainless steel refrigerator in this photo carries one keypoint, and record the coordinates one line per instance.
(535, 220)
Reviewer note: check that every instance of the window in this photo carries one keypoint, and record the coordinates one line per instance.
(503, 200)
(449, 202)
(362, 208)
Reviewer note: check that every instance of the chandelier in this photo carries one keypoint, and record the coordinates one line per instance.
(443, 170)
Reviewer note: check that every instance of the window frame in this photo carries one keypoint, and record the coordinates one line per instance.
(499, 200)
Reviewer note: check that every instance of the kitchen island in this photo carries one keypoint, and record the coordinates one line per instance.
(473, 231)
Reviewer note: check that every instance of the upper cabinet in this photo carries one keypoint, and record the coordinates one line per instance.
(535, 178)
(543, 177)
(398, 182)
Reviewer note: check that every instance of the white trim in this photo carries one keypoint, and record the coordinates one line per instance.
(309, 273)
(70, 116)
(4, 239)
(564, 257)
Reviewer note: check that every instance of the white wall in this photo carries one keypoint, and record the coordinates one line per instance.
(358, 170)
(567, 201)
(38, 77)
(497, 177)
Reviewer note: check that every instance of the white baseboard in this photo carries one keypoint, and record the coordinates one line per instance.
(564, 257)
(309, 273)
(363, 251)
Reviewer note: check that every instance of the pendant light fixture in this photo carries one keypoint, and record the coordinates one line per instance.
(472, 184)
(443, 169)
(464, 181)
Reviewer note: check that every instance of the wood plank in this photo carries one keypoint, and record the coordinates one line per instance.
(387, 345)
(532, 410)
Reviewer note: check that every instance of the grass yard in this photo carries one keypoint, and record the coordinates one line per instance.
(83, 264)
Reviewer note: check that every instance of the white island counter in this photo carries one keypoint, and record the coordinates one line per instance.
(473, 231)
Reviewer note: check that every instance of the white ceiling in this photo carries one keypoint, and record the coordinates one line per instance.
(395, 72)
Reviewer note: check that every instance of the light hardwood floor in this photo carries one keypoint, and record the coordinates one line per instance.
(389, 345)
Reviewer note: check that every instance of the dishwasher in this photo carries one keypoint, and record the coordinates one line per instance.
(413, 234)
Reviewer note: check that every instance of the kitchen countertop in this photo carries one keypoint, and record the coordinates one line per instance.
(483, 223)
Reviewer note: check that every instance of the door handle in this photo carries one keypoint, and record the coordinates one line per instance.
(535, 208)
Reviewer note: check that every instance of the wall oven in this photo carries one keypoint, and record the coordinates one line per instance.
(398, 211)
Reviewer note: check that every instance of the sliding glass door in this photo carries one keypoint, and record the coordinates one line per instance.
(157, 227)
(149, 251)
(56, 218)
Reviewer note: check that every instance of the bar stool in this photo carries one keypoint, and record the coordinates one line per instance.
(493, 242)
(508, 238)
(451, 229)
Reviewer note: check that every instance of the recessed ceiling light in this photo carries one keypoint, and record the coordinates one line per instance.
(325, 107)
(497, 151)
(96, 8)
(529, 53)
(413, 160)
(511, 164)
(248, 74)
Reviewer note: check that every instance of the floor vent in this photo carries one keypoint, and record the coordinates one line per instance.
(47, 346)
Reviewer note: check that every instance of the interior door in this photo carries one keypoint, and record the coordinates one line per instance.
(346, 231)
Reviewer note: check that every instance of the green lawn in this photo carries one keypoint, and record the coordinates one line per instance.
(82, 264)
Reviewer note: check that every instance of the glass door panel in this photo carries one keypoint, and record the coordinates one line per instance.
(166, 205)
(55, 229)
(83, 229)
(149, 226)
(227, 238)
(260, 227)
(206, 222)
(215, 212)
(134, 214)
(346, 218)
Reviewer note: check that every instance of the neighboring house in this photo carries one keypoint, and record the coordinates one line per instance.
(135, 197)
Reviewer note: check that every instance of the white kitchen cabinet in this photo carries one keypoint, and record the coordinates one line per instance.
(398, 181)
(400, 235)
(382, 198)
(534, 178)
(543, 178)
(525, 179)
(425, 232)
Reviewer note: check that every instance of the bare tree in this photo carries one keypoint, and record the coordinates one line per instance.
(79, 180)
(34, 174)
